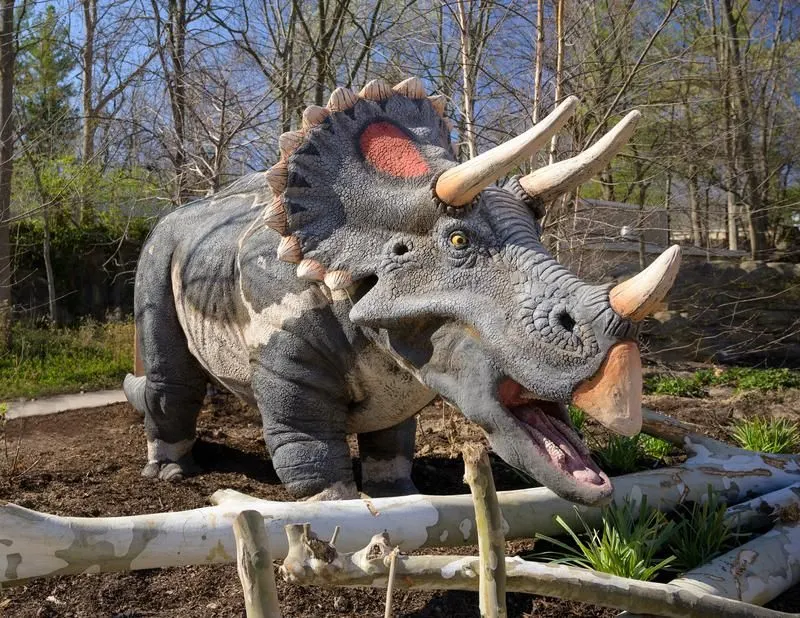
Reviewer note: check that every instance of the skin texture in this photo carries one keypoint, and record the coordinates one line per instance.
(444, 300)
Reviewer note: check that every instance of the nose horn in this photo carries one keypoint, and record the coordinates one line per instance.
(639, 296)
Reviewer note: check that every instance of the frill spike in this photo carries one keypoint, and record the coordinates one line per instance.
(275, 216)
(277, 176)
(313, 116)
(342, 99)
(438, 102)
(289, 250)
(289, 142)
(338, 279)
(376, 90)
(411, 88)
(311, 270)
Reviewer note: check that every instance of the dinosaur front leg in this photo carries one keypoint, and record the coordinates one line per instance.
(304, 417)
(386, 457)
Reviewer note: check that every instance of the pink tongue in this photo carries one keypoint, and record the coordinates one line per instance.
(558, 447)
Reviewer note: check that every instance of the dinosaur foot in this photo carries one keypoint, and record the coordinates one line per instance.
(398, 487)
(171, 470)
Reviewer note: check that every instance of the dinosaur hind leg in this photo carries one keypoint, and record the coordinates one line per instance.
(171, 391)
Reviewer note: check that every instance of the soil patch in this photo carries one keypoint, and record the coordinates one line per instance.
(87, 463)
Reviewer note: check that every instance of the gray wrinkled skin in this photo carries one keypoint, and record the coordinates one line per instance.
(425, 317)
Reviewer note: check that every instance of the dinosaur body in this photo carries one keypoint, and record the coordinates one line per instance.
(340, 291)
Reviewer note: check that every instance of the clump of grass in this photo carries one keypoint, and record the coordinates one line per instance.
(654, 447)
(701, 533)
(577, 416)
(627, 545)
(48, 360)
(620, 455)
(767, 435)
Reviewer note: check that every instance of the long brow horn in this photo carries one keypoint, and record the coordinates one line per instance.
(459, 185)
(549, 182)
(638, 297)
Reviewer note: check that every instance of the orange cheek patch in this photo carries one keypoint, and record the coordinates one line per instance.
(390, 150)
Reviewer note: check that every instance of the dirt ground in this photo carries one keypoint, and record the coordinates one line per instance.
(87, 463)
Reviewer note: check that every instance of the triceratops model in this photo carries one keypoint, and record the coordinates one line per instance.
(367, 271)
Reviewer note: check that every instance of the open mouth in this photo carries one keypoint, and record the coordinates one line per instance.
(550, 430)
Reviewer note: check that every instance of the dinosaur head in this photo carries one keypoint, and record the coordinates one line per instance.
(449, 275)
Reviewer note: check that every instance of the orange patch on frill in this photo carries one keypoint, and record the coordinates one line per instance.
(391, 151)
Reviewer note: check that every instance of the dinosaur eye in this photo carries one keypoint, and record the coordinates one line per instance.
(459, 240)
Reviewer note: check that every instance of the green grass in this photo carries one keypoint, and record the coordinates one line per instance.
(767, 435)
(620, 455)
(740, 378)
(655, 448)
(46, 361)
(701, 533)
(660, 384)
(577, 416)
(627, 544)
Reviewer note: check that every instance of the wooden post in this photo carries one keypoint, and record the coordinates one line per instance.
(254, 564)
(489, 526)
(138, 364)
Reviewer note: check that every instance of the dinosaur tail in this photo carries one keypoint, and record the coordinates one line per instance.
(134, 387)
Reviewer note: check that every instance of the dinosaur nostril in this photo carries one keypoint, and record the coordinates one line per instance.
(566, 321)
(400, 248)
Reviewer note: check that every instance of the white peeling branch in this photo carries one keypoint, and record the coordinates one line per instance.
(369, 568)
(34, 544)
(254, 565)
(489, 525)
(765, 510)
(755, 572)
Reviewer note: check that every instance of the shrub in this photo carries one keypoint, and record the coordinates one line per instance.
(626, 546)
(48, 360)
(767, 435)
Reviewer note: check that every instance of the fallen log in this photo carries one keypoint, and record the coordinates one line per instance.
(34, 544)
(368, 568)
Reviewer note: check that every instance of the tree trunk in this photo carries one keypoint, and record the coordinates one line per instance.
(756, 213)
(537, 67)
(7, 60)
(48, 267)
(467, 73)
(694, 208)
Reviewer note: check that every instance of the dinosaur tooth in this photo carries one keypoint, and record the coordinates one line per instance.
(313, 116)
(338, 279)
(311, 270)
(411, 88)
(376, 90)
(276, 177)
(438, 102)
(289, 250)
(289, 142)
(275, 216)
(342, 99)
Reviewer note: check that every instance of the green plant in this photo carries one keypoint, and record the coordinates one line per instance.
(654, 447)
(48, 360)
(701, 534)
(658, 384)
(627, 545)
(620, 455)
(577, 416)
(767, 435)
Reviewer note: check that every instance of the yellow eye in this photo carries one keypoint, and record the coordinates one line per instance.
(459, 240)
